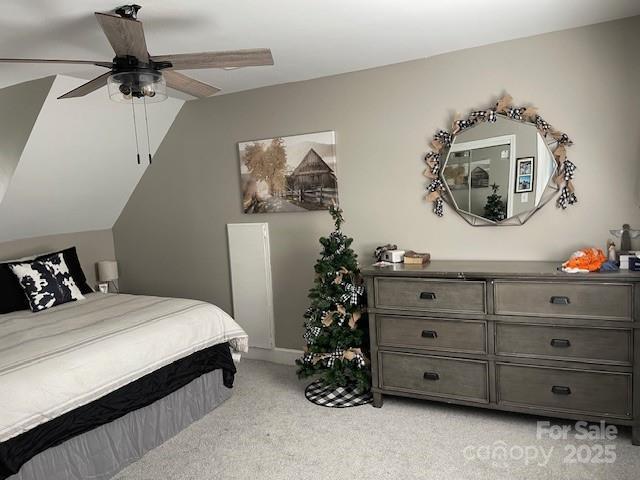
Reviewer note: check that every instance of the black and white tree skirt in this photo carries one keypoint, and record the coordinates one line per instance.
(336, 397)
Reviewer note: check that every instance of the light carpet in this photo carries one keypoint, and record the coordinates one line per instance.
(267, 430)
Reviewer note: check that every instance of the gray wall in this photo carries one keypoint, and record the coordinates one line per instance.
(92, 247)
(20, 106)
(171, 239)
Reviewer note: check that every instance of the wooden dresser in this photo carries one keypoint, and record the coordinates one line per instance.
(517, 336)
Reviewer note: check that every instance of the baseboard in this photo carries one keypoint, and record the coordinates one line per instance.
(284, 356)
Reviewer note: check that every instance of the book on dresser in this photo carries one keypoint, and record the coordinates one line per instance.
(415, 258)
(514, 336)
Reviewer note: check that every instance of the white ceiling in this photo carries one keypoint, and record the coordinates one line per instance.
(308, 38)
(78, 167)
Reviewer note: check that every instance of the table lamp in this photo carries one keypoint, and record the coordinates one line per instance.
(108, 272)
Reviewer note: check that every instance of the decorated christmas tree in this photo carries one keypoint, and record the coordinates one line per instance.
(335, 325)
(494, 208)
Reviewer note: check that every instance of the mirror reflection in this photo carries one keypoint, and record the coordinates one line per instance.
(498, 170)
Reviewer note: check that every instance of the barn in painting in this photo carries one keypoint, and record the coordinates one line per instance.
(312, 172)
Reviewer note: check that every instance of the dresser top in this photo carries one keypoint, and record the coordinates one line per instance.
(493, 269)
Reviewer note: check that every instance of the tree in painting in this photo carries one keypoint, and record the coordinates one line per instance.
(267, 164)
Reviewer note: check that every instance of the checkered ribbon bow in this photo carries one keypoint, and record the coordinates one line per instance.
(516, 113)
(444, 137)
(567, 197)
(352, 292)
(569, 169)
(436, 185)
(564, 140)
(542, 125)
(359, 360)
(311, 334)
(478, 116)
(337, 354)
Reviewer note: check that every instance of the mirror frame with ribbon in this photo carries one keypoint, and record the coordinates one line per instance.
(561, 181)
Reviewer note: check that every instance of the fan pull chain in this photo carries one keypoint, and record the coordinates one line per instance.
(146, 120)
(135, 129)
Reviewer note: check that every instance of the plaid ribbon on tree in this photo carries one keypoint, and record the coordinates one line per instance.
(311, 334)
(352, 292)
(337, 354)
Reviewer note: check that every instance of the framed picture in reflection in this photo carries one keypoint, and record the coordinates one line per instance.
(524, 174)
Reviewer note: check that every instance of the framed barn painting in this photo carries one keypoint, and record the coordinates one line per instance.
(289, 174)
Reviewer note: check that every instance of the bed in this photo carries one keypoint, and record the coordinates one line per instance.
(89, 386)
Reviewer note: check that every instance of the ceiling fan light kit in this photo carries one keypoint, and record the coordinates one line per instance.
(149, 86)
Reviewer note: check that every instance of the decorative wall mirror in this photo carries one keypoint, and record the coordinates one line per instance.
(499, 166)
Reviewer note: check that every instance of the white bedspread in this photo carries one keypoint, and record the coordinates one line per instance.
(59, 359)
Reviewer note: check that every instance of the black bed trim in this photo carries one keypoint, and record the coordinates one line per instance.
(18, 450)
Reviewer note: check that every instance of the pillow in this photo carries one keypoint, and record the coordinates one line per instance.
(71, 259)
(46, 282)
(12, 297)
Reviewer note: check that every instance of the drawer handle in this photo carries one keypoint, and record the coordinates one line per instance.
(431, 376)
(558, 390)
(560, 300)
(429, 334)
(560, 343)
(427, 296)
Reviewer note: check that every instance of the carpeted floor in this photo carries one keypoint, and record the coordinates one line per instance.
(267, 430)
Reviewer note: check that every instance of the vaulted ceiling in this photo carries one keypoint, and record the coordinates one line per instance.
(71, 164)
(309, 39)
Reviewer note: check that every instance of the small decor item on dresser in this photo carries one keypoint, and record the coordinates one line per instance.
(108, 273)
(584, 261)
(336, 341)
(415, 258)
(627, 260)
(379, 252)
(103, 287)
(625, 234)
(393, 256)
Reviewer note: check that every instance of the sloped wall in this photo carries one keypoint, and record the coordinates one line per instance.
(78, 166)
(19, 107)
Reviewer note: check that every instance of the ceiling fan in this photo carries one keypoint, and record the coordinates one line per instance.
(134, 74)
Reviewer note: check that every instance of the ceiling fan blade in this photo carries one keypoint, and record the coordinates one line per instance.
(125, 35)
(188, 85)
(90, 86)
(232, 58)
(42, 60)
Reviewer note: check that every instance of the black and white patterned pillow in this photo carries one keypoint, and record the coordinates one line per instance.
(46, 282)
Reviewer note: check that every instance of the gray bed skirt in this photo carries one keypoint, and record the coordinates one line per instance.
(102, 452)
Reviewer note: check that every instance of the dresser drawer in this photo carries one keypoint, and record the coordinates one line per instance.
(598, 344)
(435, 376)
(564, 390)
(454, 296)
(434, 334)
(564, 299)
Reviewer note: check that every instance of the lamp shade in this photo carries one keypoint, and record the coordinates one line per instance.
(107, 270)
